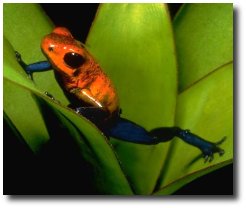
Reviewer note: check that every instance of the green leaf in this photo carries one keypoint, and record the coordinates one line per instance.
(134, 45)
(20, 106)
(94, 148)
(203, 34)
(204, 40)
(206, 109)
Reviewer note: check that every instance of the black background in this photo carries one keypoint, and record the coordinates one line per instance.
(17, 177)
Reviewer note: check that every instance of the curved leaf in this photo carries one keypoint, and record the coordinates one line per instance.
(134, 45)
(20, 106)
(204, 40)
(207, 109)
(92, 146)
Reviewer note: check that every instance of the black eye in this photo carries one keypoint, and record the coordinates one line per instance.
(74, 60)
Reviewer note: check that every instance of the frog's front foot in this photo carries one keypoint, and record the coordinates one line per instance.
(23, 64)
(35, 67)
(20, 61)
(18, 56)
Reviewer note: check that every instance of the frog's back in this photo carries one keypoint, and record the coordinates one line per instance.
(77, 71)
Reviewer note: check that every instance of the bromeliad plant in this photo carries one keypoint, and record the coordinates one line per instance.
(135, 45)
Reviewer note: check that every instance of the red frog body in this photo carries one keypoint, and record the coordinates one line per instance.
(77, 72)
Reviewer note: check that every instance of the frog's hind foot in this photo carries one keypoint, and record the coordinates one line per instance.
(208, 153)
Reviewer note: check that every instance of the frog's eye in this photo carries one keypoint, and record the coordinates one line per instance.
(74, 60)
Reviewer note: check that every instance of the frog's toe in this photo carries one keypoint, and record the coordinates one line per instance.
(208, 157)
(18, 56)
(217, 148)
(221, 141)
(208, 153)
(221, 151)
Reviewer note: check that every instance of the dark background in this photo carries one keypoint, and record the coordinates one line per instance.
(20, 179)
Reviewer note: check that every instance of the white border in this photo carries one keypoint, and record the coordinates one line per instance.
(192, 202)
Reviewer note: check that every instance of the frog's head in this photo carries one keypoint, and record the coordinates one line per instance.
(64, 52)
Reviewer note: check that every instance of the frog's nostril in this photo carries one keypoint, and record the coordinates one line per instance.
(50, 48)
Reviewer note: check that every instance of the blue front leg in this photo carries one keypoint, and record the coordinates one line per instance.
(35, 67)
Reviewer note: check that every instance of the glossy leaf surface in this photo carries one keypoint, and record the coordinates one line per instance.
(134, 45)
(204, 40)
(196, 111)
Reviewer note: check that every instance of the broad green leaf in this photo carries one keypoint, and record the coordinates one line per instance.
(20, 106)
(207, 109)
(134, 45)
(92, 145)
(204, 40)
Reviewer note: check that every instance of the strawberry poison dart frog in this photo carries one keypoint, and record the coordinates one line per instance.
(93, 95)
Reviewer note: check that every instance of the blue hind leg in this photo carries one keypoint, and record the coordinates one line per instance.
(131, 132)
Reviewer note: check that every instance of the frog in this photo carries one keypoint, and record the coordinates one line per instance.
(93, 95)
